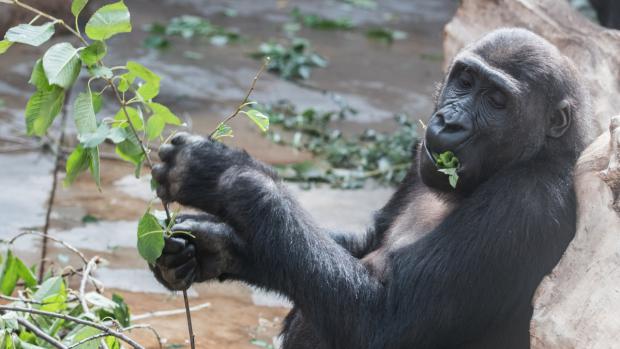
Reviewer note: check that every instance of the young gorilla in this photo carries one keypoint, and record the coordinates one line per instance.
(442, 267)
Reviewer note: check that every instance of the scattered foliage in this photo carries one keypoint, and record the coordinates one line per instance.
(189, 27)
(448, 163)
(291, 62)
(342, 161)
(318, 22)
(385, 35)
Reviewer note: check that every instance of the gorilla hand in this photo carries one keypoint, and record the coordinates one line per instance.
(192, 167)
(214, 251)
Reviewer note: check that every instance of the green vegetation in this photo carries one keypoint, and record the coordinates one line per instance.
(317, 22)
(448, 163)
(341, 161)
(49, 314)
(189, 27)
(294, 61)
(385, 35)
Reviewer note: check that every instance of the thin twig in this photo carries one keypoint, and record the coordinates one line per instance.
(192, 341)
(245, 99)
(39, 333)
(89, 266)
(102, 328)
(126, 329)
(66, 245)
(163, 313)
(16, 299)
(57, 165)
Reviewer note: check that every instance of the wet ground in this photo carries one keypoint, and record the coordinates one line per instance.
(376, 79)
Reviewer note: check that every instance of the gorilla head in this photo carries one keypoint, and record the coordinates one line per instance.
(510, 97)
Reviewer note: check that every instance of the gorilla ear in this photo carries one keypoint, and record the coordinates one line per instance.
(560, 119)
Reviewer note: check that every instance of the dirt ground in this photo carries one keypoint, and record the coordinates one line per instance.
(377, 79)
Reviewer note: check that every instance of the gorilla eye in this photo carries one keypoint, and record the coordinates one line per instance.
(497, 99)
(466, 79)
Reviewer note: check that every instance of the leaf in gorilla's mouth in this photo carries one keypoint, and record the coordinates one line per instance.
(448, 164)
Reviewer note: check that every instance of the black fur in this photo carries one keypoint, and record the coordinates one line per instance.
(441, 268)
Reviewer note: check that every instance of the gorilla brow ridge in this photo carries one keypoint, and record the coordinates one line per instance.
(497, 76)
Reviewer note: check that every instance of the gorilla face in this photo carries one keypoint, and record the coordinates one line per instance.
(498, 106)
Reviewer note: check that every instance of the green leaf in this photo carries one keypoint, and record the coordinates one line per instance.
(108, 21)
(223, 130)
(62, 65)
(29, 34)
(100, 72)
(261, 120)
(25, 273)
(150, 88)
(150, 238)
(453, 176)
(4, 45)
(82, 333)
(93, 53)
(162, 111)
(77, 6)
(9, 275)
(93, 139)
(97, 102)
(154, 127)
(77, 162)
(42, 108)
(93, 165)
(38, 78)
(135, 116)
(52, 293)
(84, 114)
(118, 134)
(130, 151)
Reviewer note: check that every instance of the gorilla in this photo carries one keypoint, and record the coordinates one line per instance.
(441, 267)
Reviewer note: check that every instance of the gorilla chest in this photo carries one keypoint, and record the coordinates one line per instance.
(423, 213)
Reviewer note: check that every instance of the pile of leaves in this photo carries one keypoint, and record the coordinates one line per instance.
(342, 161)
(293, 61)
(315, 21)
(189, 27)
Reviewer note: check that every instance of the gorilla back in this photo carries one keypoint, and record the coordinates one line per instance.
(442, 267)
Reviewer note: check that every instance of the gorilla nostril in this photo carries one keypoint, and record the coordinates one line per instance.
(454, 127)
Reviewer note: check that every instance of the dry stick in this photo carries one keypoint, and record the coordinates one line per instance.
(51, 340)
(245, 99)
(102, 328)
(162, 313)
(126, 329)
(50, 204)
(89, 266)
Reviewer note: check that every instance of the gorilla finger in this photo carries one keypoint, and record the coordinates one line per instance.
(171, 261)
(166, 152)
(202, 217)
(186, 269)
(180, 138)
(189, 225)
(174, 245)
(159, 172)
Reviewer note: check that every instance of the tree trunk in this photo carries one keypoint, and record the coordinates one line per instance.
(578, 304)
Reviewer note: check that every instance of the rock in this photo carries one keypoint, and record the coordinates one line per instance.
(578, 304)
(594, 49)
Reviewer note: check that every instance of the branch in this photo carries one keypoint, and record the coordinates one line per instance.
(66, 245)
(245, 99)
(162, 313)
(39, 333)
(89, 266)
(102, 328)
